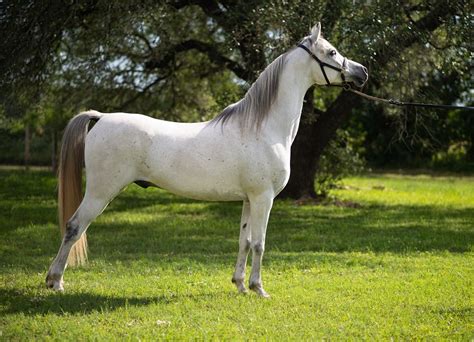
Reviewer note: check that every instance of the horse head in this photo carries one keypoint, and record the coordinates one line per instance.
(331, 68)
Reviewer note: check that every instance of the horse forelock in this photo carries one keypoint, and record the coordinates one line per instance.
(255, 106)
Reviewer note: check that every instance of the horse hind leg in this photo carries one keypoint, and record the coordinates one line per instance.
(88, 210)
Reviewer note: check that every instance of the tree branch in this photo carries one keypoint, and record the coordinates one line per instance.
(208, 49)
(253, 59)
(134, 98)
(145, 40)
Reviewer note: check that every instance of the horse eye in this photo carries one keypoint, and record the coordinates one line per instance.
(332, 53)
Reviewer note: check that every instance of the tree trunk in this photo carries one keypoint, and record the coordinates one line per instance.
(316, 130)
(27, 155)
(303, 168)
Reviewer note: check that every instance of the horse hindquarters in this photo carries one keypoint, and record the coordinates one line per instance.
(100, 190)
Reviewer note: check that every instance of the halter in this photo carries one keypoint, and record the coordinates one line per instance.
(348, 87)
(324, 64)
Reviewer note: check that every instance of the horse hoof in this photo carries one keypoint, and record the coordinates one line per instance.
(240, 286)
(262, 293)
(242, 290)
(258, 289)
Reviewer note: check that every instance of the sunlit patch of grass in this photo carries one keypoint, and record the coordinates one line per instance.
(400, 265)
(390, 189)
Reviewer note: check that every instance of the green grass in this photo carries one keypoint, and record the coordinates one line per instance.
(399, 266)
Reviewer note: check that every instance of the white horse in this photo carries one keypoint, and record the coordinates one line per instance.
(241, 155)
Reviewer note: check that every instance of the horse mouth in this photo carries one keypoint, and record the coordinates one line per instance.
(358, 78)
(357, 82)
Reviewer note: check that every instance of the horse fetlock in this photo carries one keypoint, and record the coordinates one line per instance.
(254, 285)
(258, 289)
(239, 283)
(55, 281)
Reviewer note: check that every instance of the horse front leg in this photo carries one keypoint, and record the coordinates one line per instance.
(244, 247)
(260, 207)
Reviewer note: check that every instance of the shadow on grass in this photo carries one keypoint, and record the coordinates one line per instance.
(177, 233)
(395, 229)
(17, 301)
(214, 231)
(177, 228)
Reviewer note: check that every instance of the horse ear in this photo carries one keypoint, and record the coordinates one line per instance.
(316, 32)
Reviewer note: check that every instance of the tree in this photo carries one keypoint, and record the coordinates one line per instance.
(155, 58)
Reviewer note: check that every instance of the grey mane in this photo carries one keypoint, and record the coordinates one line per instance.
(255, 106)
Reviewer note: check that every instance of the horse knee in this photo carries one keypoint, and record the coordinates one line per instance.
(258, 247)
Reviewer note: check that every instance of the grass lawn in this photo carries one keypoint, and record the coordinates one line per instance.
(400, 265)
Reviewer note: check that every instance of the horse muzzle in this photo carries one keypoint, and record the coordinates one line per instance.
(357, 74)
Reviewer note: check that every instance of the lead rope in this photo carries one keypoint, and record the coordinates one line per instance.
(347, 87)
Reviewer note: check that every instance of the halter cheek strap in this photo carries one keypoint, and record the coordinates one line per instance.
(324, 64)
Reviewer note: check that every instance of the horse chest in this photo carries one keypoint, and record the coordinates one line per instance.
(268, 167)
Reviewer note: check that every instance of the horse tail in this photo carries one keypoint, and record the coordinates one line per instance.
(71, 162)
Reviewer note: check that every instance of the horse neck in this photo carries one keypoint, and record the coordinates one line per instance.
(284, 117)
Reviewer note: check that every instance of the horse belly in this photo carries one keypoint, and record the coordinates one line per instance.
(198, 185)
(197, 174)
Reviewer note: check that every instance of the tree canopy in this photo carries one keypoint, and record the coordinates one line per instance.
(186, 60)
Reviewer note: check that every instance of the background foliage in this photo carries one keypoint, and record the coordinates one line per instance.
(187, 60)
